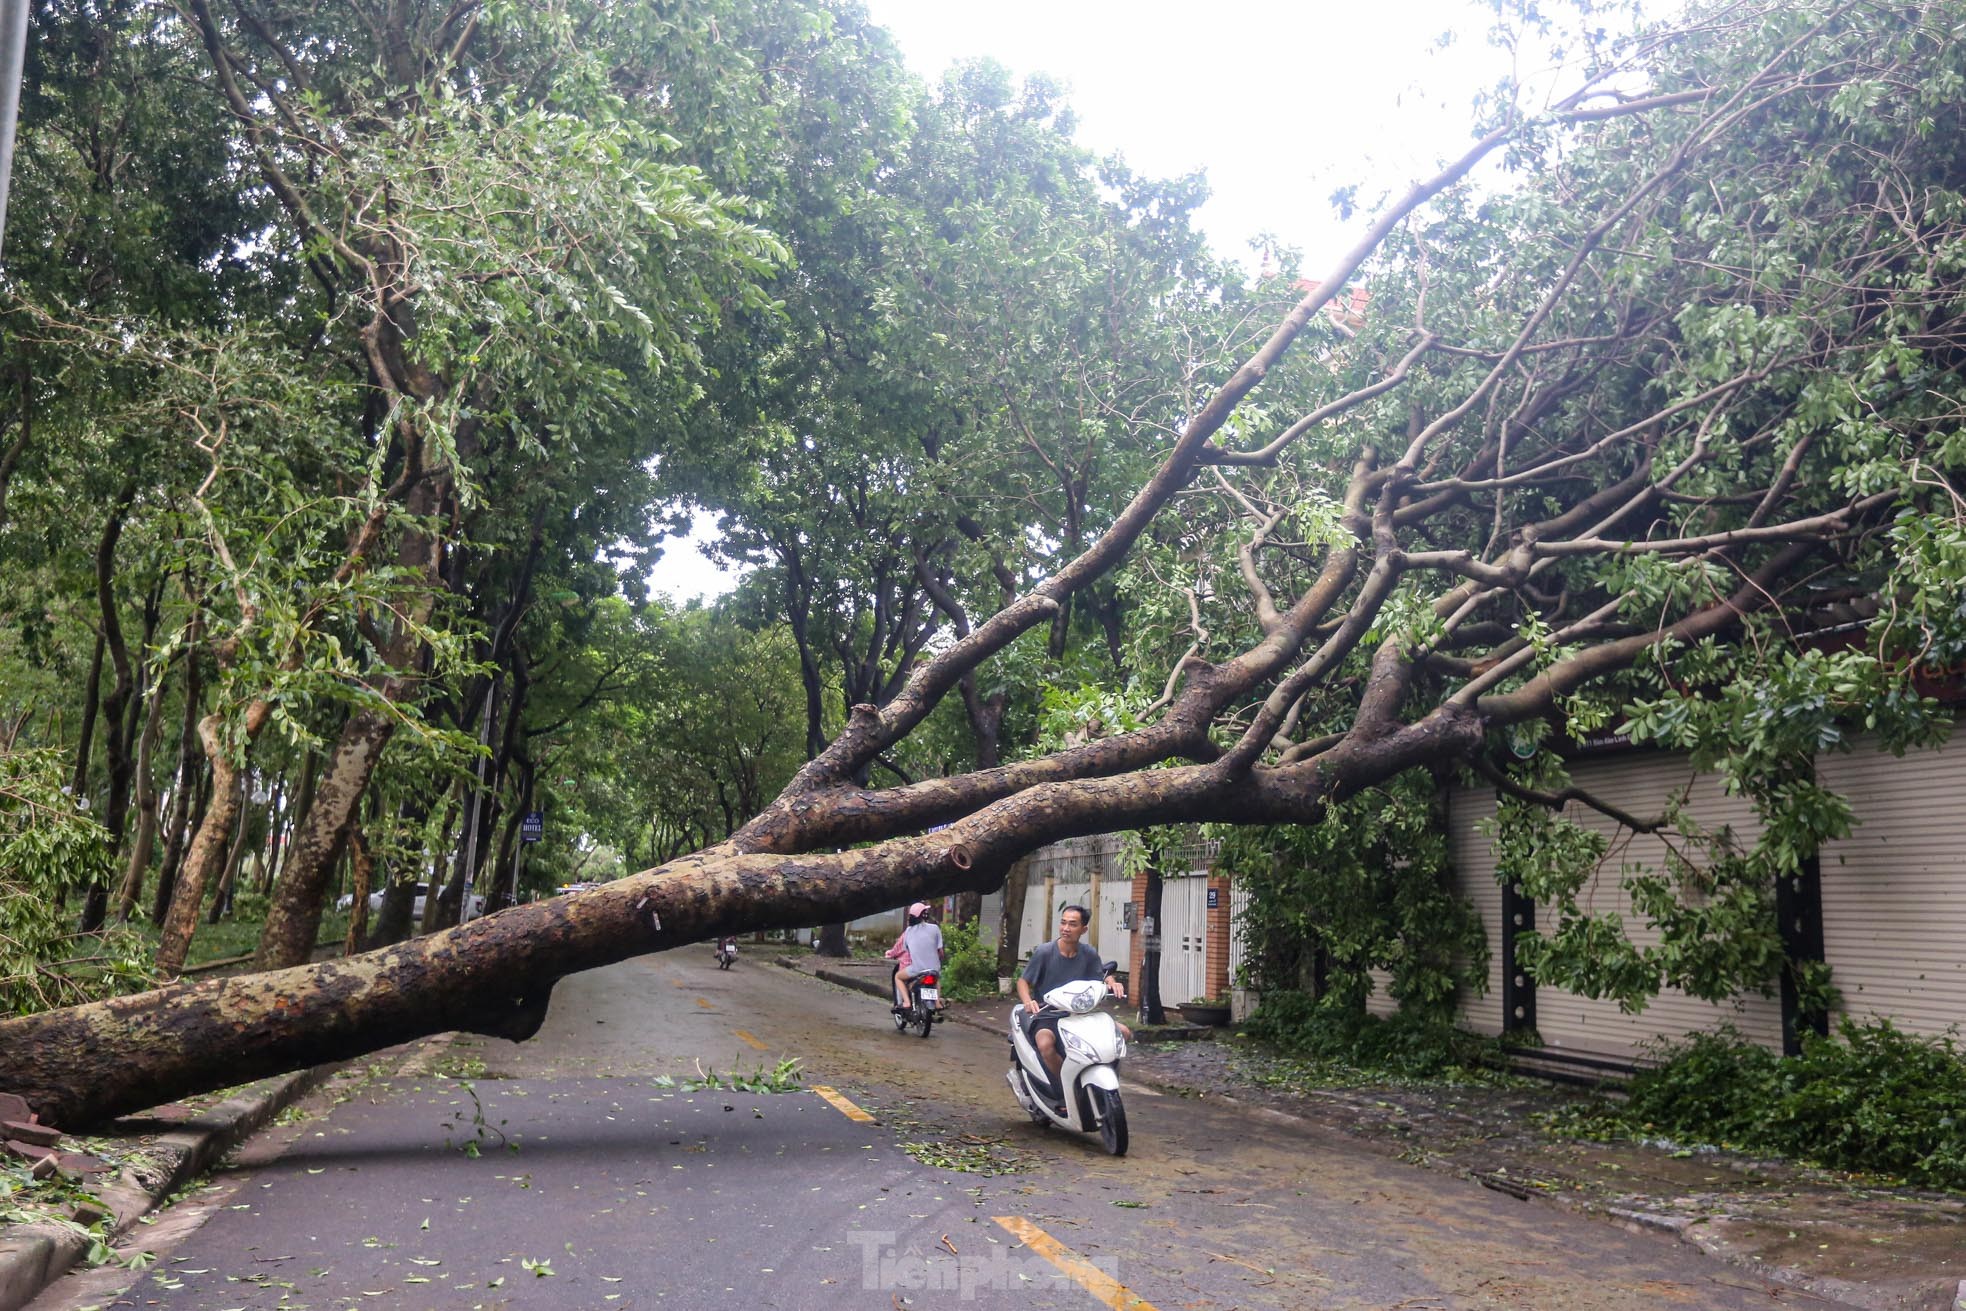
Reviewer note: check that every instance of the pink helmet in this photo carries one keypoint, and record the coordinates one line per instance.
(918, 910)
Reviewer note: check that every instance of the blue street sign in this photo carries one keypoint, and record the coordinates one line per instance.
(533, 827)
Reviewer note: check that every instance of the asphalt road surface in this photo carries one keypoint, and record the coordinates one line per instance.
(596, 1167)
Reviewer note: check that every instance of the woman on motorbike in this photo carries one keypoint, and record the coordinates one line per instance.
(916, 952)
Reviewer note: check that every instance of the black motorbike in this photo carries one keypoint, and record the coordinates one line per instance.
(924, 1004)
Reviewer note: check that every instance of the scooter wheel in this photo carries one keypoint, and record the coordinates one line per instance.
(901, 1021)
(1111, 1112)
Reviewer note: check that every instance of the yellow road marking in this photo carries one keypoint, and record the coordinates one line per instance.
(842, 1105)
(706, 1005)
(1110, 1292)
(680, 983)
(748, 1038)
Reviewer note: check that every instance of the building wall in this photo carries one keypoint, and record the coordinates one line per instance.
(1893, 899)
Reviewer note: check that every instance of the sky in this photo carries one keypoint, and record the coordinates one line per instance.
(1281, 102)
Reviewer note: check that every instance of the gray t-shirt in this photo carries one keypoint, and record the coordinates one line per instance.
(924, 944)
(1050, 967)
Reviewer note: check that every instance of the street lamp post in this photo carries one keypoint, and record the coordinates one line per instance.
(13, 56)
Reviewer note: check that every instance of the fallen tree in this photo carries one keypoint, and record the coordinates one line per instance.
(1600, 446)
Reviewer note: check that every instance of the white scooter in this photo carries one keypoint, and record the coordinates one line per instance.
(1091, 1042)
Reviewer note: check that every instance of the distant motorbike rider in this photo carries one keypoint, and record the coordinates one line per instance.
(916, 952)
(1066, 960)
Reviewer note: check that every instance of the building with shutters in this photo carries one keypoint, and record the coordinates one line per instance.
(1885, 908)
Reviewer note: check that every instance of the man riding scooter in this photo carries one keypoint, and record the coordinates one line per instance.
(1066, 960)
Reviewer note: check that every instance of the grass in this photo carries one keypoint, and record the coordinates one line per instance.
(240, 936)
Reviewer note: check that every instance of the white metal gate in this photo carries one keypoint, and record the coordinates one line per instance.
(1238, 928)
(1184, 939)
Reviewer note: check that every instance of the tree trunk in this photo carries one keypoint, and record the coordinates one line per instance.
(144, 843)
(392, 921)
(293, 919)
(362, 861)
(194, 799)
(505, 880)
(832, 940)
(508, 842)
(186, 793)
(442, 909)
(1010, 918)
(395, 918)
(269, 849)
(91, 702)
(209, 846)
(115, 706)
(234, 858)
(84, 1064)
(1149, 982)
(297, 808)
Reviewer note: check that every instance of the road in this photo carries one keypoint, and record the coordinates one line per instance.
(592, 1168)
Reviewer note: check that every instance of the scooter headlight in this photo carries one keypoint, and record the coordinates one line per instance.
(1079, 1049)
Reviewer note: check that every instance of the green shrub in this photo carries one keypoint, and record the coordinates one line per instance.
(1711, 1086)
(50, 852)
(1404, 1046)
(1870, 1098)
(969, 969)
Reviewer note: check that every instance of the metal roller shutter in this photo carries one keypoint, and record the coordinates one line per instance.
(1639, 784)
(1474, 878)
(1894, 891)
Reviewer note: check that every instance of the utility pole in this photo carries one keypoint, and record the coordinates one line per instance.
(13, 58)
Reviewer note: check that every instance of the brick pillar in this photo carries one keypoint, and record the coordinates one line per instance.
(1136, 946)
(1216, 960)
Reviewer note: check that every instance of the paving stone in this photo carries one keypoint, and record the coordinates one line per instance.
(29, 1132)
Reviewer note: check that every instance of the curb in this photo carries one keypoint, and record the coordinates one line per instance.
(1681, 1228)
(34, 1256)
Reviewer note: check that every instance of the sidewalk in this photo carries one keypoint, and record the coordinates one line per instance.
(1842, 1241)
(160, 1152)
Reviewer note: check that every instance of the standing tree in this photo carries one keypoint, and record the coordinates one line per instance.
(1596, 446)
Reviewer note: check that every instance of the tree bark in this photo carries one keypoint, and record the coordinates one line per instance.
(362, 864)
(186, 793)
(392, 921)
(1010, 918)
(91, 702)
(293, 918)
(194, 798)
(144, 843)
(1149, 982)
(115, 706)
(209, 846)
(297, 807)
(235, 856)
(269, 848)
(493, 975)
